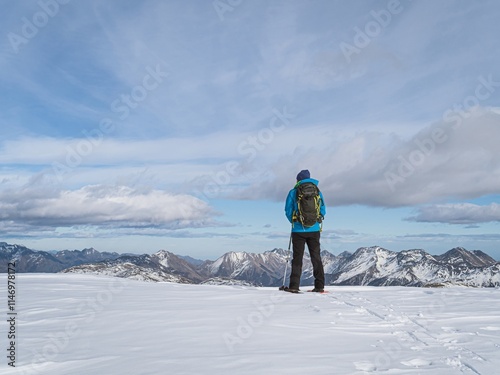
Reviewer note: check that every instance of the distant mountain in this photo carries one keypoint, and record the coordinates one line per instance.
(374, 266)
(161, 266)
(232, 268)
(193, 261)
(461, 257)
(378, 266)
(260, 269)
(28, 260)
(366, 266)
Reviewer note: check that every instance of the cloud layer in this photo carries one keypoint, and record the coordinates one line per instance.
(459, 213)
(105, 207)
(449, 159)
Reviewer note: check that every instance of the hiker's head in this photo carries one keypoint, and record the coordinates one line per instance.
(303, 174)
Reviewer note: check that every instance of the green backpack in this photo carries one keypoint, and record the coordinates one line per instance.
(308, 204)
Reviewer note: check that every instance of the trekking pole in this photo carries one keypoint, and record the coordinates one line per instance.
(287, 260)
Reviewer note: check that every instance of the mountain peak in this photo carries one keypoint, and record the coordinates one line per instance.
(461, 257)
(165, 257)
(278, 251)
(458, 250)
(163, 253)
(372, 251)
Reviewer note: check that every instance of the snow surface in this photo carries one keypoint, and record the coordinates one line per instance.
(84, 324)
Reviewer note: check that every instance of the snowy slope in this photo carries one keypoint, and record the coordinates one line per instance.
(84, 324)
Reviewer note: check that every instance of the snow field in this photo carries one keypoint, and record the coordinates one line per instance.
(83, 324)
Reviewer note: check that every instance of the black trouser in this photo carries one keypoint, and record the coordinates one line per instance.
(299, 239)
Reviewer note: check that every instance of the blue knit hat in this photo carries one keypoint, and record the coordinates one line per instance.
(303, 174)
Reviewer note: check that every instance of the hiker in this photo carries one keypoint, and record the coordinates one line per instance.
(305, 209)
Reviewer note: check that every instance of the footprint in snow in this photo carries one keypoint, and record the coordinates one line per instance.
(365, 366)
(417, 362)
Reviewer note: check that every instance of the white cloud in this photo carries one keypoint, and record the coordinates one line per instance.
(103, 207)
(458, 213)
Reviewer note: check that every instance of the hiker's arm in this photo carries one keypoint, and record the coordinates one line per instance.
(289, 206)
(322, 208)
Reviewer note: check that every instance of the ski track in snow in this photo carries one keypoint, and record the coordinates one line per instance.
(412, 333)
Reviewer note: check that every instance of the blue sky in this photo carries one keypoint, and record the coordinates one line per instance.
(135, 126)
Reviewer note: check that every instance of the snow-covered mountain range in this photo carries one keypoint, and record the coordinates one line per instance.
(28, 260)
(378, 266)
(160, 266)
(366, 266)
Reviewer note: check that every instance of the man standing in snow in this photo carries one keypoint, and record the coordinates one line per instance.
(306, 216)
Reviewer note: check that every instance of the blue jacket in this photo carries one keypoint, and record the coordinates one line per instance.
(291, 207)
